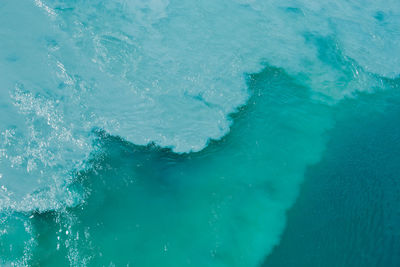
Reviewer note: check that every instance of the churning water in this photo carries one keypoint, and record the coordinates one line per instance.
(174, 133)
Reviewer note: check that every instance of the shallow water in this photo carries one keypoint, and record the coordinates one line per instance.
(163, 133)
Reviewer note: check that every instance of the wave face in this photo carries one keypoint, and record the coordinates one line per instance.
(171, 74)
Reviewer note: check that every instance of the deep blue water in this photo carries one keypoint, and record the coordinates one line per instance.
(348, 211)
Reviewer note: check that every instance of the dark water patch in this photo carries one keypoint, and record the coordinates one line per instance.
(348, 212)
(380, 16)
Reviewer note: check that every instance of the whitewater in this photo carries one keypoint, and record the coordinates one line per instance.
(188, 122)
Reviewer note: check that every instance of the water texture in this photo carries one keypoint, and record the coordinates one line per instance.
(347, 213)
(173, 133)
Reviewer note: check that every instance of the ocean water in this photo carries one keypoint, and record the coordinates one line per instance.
(353, 192)
(170, 133)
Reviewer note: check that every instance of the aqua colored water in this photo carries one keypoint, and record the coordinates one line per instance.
(170, 133)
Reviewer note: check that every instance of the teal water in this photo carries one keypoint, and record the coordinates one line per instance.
(347, 213)
(196, 208)
(167, 133)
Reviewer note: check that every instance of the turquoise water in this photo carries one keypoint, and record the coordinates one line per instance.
(168, 133)
(208, 199)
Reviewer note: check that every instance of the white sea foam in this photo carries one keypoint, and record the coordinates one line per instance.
(176, 69)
